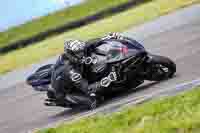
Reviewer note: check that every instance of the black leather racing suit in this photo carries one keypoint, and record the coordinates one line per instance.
(74, 75)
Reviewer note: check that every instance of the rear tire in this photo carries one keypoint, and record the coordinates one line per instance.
(43, 75)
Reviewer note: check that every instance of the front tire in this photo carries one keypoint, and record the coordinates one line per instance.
(161, 68)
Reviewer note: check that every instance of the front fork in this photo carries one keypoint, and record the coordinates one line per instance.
(150, 69)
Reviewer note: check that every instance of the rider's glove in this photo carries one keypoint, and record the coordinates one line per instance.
(93, 88)
(89, 60)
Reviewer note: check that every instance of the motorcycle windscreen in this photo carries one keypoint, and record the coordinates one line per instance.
(117, 51)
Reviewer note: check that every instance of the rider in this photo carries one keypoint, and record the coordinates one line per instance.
(70, 69)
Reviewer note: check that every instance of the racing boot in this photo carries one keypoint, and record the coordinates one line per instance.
(81, 101)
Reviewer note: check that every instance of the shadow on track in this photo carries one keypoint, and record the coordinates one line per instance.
(115, 98)
(67, 113)
(123, 94)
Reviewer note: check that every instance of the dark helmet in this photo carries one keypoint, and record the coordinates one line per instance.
(75, 47)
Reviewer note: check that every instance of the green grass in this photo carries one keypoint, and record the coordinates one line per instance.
(179, 114)
(52, 46)
(55, 19)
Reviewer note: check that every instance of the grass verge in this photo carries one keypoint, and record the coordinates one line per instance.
(179, 114)
(52, 46)
(54, 20)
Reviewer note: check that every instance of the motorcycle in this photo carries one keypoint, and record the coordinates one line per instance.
(133, 62)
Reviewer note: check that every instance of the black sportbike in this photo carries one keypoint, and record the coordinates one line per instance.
(134, 65)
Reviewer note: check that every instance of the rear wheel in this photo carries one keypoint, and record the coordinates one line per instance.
(41, 78)
(161, 68)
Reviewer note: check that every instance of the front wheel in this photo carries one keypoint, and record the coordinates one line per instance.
(160, 68)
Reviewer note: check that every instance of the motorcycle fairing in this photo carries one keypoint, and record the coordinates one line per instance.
(116, 51)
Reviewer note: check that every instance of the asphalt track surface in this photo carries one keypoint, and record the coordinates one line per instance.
(22, 108)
